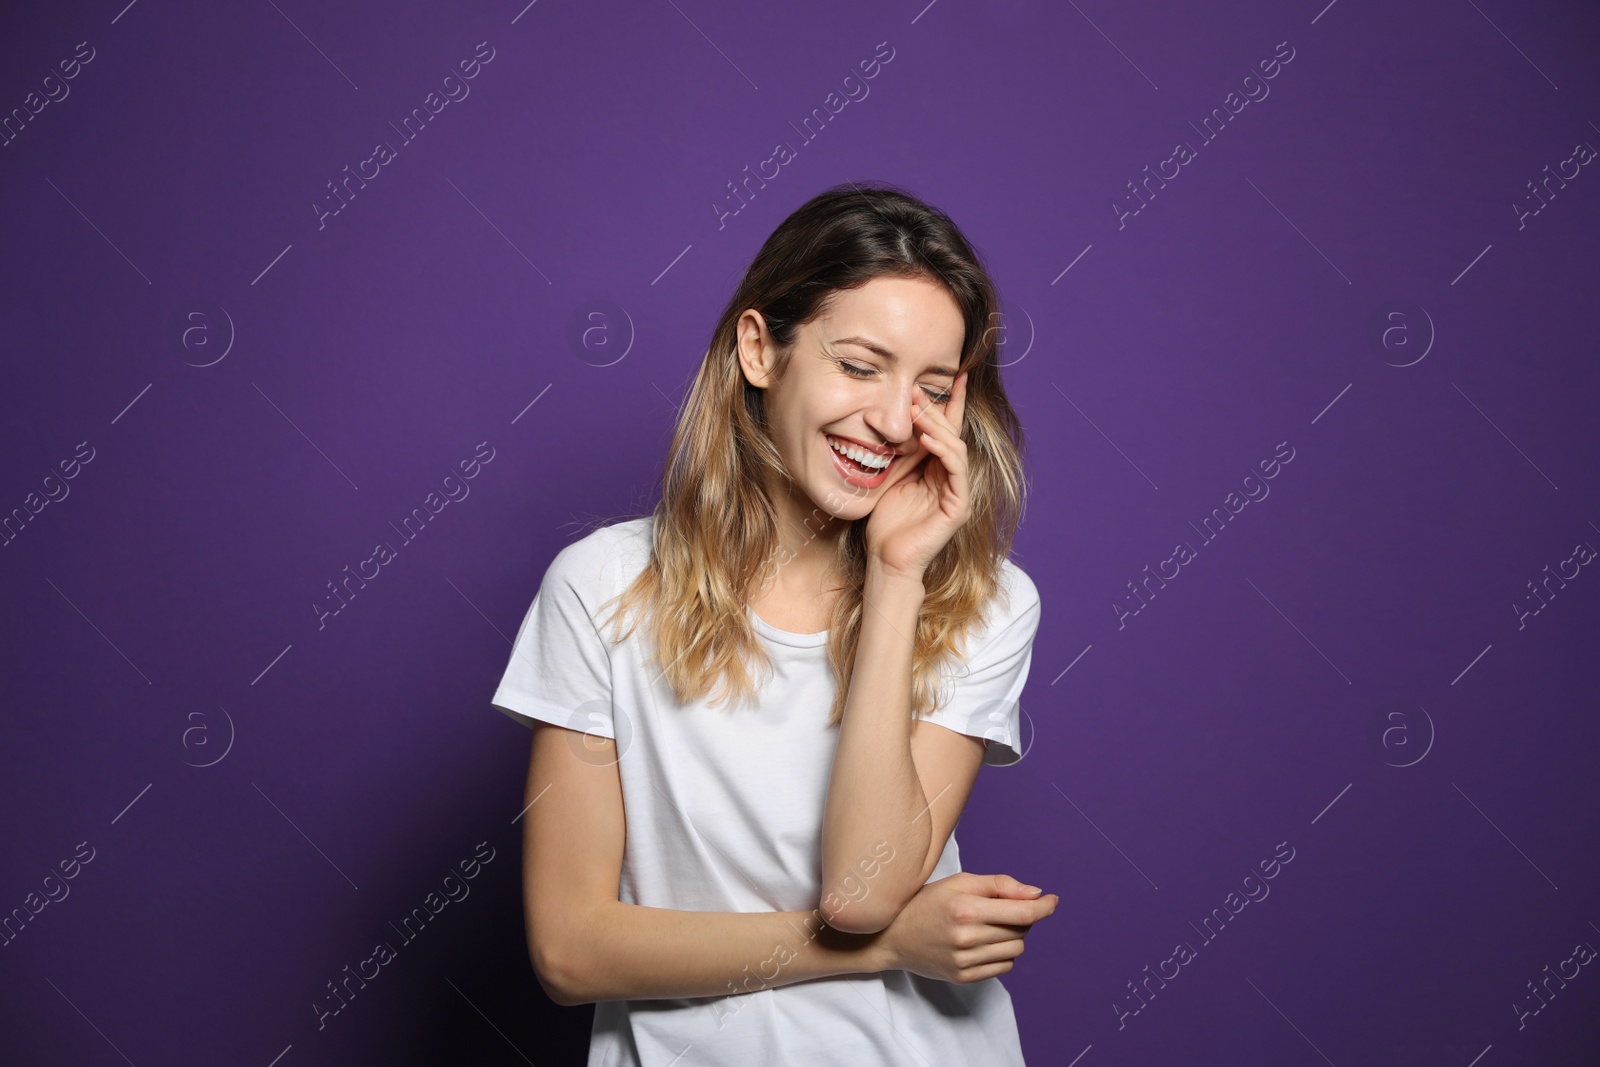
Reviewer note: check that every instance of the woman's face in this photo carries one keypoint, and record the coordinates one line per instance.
(850, 382)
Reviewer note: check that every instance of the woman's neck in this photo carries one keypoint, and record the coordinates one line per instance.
(808, 539)
(807, 552)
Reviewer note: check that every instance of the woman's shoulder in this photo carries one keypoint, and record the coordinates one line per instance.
(1010, 614)
(622, 534)
(1020, 591)
(605, 555)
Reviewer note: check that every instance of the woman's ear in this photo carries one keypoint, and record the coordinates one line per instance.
(756, 349)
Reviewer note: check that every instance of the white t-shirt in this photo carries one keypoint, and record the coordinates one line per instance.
(724, 813)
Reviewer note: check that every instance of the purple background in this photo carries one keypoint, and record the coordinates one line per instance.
(1342, 668)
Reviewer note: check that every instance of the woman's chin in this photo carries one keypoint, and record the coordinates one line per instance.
(828, 501)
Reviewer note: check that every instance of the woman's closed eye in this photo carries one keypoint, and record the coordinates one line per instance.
(936, 395)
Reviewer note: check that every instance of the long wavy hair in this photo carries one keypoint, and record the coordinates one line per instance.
(715, 530)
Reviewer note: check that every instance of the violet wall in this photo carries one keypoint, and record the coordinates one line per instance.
(1371, 276)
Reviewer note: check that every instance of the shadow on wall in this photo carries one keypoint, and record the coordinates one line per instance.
(465, 991)
(489, 963)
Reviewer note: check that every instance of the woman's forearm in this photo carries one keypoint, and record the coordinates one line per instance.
(874, 793)
(628, 951)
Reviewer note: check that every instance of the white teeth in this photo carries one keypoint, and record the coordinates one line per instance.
(860, 455)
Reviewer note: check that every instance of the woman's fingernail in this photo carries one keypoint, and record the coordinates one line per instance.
(1031, 888)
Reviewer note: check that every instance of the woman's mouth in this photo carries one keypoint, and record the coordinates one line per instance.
(857, 472)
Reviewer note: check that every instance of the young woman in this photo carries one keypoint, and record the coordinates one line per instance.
(738, 839)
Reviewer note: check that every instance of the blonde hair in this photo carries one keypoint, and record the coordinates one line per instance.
(715, 529)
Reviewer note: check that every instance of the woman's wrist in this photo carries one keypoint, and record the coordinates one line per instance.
(881, 577)
(880, 953)
(858, 953)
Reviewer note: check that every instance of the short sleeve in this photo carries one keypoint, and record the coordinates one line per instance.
(981, 694)
(560, 666)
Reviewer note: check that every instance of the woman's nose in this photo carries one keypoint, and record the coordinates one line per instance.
(891, 417)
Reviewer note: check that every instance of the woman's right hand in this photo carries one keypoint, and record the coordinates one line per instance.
(966, 927)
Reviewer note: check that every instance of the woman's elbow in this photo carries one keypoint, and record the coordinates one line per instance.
(555, 978)
(854, 923)
(868, 915)
(553, 967)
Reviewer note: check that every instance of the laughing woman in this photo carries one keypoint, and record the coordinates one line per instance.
(739, 841)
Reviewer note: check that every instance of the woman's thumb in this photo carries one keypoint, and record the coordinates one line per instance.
(1007, 886)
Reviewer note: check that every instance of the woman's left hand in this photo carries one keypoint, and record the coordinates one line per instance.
(919, 514)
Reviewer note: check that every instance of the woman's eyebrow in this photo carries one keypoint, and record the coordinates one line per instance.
(877, 349)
